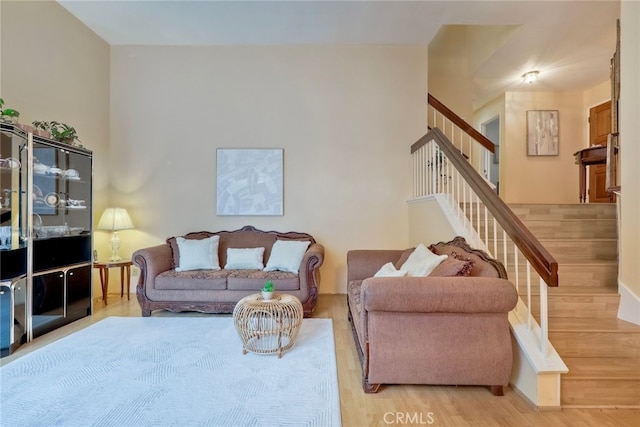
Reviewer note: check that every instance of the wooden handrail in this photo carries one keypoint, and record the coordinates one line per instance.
(538, 256)
(461, 123)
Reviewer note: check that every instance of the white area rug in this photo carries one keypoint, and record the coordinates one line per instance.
(170, 371)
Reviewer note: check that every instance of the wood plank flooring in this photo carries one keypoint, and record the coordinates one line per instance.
(395, 404)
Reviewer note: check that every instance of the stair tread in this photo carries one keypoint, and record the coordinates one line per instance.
(568, 205)
(587, 262)
(583, 290)
(578, 239)
(578, 220)
(576, 290)
(550, 220)
(602, 368)
(590, 324)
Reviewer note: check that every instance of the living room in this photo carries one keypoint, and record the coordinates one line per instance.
(132, 105)
(154, 117)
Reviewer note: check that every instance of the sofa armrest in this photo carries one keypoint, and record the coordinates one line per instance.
(309, 267)
(152, 261)
(438, 294)
(315, 252)
(363, 263)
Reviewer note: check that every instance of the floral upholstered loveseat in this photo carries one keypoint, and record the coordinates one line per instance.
(211, 271)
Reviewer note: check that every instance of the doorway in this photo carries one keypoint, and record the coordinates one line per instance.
(491, 129)
(599, 130)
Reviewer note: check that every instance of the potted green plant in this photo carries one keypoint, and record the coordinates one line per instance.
(8, 114)
(267, 290)
(61, 132)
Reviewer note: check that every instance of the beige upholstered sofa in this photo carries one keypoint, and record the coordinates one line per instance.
(431, 330)
(163, 286)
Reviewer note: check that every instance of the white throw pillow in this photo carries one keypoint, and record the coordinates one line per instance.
(422, 261)
(244, 259)
(389, 270)
(198, 254)
(286, 255)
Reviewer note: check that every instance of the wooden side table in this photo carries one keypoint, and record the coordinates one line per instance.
(588, 157)
(125, 272)
(268, 326)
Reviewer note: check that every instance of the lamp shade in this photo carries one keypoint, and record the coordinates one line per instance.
(115, 219)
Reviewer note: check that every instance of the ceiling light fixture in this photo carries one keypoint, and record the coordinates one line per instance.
(530, 77)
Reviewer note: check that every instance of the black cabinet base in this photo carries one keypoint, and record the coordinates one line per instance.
(43, 324)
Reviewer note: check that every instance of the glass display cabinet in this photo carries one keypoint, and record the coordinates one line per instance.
(13, 241)
(61, 234)
(46, 235)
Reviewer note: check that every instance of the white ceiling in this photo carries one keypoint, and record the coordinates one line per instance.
(570, 42)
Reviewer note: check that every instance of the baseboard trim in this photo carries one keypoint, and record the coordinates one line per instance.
(629, 308)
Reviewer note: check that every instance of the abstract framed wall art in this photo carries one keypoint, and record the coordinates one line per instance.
(542, 133)
(249, 181)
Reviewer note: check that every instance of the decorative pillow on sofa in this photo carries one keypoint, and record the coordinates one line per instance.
(403, 258)
(286, 255)
(455, 265)
(244, 259)
(173, 244)
(389, 270)
(198, 254)
(422, 261)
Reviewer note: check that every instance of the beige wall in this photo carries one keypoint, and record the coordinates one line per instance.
(629, 272)
(541, 179)
(528, 179)
(490, 111)
(449, 73)
(345, 117)
(233, 97)
(54, 68)
(428, 222)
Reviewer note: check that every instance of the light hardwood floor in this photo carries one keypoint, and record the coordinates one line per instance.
(398, 405)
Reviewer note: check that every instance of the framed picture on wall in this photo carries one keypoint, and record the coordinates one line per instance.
(542, 133)
(249, 181)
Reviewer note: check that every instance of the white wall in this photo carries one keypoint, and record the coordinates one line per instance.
(629, 268)
(345, 117)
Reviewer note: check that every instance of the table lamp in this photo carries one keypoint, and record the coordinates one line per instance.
(115, 219)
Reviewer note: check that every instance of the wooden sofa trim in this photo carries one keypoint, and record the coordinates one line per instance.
(461, 243)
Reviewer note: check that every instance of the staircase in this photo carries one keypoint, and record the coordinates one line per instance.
(601, 351)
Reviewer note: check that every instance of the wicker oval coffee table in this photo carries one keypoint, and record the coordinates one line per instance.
(268, 326)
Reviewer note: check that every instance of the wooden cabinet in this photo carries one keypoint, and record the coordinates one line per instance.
(60, 297)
